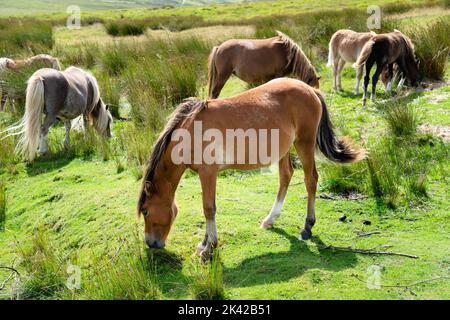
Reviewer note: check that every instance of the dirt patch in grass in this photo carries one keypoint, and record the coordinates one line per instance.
(439, 131)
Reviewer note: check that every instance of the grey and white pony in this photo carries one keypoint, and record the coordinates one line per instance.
(60, 95)
(10, 65)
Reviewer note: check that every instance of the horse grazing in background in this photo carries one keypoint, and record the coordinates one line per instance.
(258, 61)
(289, 111)
(60, 95)
(38, 61)
(345, 46)
(385, 50)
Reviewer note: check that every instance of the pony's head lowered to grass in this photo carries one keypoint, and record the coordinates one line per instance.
(157, 198)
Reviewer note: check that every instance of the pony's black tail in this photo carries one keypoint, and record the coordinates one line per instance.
(336, 150)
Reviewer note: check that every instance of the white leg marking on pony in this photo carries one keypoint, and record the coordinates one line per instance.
(389, 87)
(269, 221)
(400, 85)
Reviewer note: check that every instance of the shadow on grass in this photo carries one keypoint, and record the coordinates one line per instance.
(45, 165)
(286, 265)
(169, 265)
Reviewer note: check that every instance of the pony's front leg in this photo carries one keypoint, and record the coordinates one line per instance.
(208, 179)
(400, 85)
(390, 78)
(285, 172)
(68, 126)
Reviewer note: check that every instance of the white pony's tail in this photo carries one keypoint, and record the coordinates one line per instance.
(330, 54)
(29, 128)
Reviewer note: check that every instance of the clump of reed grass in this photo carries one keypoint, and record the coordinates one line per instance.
(432, 47)
(207, 279)
(25, 34)
(129, 275)
(125, 28)
(45, 274)
(401, 118)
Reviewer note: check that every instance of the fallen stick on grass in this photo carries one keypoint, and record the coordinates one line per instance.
(14, 272)
(364, 251)
(404, 285)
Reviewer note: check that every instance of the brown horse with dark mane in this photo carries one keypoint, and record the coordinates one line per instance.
(386, 50)
(258, 61)
(283, 111)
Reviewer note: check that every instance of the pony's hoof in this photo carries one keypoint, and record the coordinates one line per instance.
(266, 225)
(305, 235)
(206, 255)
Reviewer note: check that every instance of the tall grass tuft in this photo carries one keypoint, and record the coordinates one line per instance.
(130, 275)
(207, 279)
(432, 47)
(45, 276)
(25, 35)
(125, 28)
(2, 205)
(401, 118)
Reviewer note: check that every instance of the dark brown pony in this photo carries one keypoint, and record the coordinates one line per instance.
(258, 61)
(386, 50)
(292, 111)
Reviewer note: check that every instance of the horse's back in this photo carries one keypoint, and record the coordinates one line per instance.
(249, 58)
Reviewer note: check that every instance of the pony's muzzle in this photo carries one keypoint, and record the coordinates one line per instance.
(154, 244)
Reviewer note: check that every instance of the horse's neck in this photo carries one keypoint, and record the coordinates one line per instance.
(168, 175)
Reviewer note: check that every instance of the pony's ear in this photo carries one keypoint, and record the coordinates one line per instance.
(107, 107)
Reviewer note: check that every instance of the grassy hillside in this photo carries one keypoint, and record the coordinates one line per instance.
(77, 208)
(214, 10)
(45, 6)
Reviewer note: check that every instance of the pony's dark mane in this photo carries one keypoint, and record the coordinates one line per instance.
(188, 109)
(298, 63)
(410, 52)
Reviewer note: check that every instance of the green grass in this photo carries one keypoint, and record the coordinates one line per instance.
(79, 208)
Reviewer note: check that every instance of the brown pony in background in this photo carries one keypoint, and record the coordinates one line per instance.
(386, 50)
(6, 64)
(296, 110)
(258, 61)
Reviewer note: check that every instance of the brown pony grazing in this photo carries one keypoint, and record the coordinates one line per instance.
(39, 61)
(385, 50)
(258, 61)
(290, 113)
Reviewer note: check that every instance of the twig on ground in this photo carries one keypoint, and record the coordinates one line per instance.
(13, 273)
(404, 285)
(368, 234)
(364, 251)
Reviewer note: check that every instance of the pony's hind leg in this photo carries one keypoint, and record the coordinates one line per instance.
(4, 97)
(369, 65)
(208, 180)
(341, 65)
(359, 73)
(48, 122)
(285, 172)
(375, 78)
(306, 154)
(335, 73)
(68, 126)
